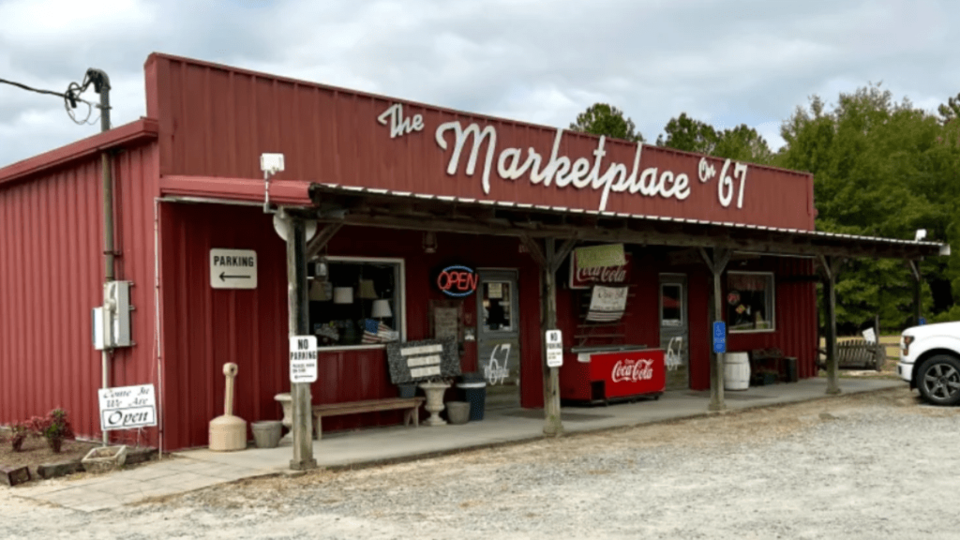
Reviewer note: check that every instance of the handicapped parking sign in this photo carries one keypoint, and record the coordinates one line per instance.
(719, 337)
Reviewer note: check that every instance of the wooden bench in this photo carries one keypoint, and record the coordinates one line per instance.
(857, 354)
(412, 406)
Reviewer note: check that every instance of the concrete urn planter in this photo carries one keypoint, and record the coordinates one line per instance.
(434, 393)
(286, 401)
(104, 459)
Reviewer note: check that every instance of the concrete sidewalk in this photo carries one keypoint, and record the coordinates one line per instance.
(196, 469)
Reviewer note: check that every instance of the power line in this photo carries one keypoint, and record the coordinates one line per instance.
(70, 98)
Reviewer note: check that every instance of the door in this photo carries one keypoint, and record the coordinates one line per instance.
(498, 337)
(674, 330)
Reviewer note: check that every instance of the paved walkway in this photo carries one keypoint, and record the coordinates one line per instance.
(196, 469)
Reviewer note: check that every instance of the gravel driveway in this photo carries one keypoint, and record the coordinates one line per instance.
(880, 465)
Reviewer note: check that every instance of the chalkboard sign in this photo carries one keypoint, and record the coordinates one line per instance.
(446, 322)
(418, 361)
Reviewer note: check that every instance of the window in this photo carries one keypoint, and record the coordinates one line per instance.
(497, 307)
(750, 301)
(357, 302)
(671, 304)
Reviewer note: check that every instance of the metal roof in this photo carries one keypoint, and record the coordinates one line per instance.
(540, 221)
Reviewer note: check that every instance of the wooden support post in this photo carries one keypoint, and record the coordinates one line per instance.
(549, 259)
(831, 267)
(552, 423)
(299, 322)
(716, 259)
(917, 291)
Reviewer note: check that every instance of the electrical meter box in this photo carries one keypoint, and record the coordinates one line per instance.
(111, 322)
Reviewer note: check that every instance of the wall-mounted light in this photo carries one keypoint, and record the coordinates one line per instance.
(430, 242)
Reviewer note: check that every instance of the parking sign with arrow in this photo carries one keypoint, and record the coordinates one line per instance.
(233, 269)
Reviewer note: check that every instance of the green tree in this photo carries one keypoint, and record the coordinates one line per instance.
(690, 135)
(603, 119)
(741, 143)
(880, 168)
(950, 110)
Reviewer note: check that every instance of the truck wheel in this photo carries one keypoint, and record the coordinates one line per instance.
(939, 380)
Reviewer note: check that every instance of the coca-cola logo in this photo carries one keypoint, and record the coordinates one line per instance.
(603, 274)
(581, 278)
(628, 370)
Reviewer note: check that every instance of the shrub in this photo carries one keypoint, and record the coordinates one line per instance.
(19, 430)
(55, 427)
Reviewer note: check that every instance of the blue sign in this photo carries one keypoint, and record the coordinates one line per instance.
(719, 337)
(923, 321)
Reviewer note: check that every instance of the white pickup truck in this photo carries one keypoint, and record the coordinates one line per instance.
(930, 361)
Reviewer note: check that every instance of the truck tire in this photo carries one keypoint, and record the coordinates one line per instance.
(939, 380)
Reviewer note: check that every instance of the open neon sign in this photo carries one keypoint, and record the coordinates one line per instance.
(457, 281)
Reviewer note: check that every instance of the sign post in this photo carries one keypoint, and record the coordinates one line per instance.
(554, 349)
(298, 319)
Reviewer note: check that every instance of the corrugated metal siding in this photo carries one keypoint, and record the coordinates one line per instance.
(51, 271)
(639, 326)
(204, 328)
(796, 318)
(216, 121)
(796, 312)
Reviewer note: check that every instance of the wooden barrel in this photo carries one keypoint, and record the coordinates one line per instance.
(736, 371)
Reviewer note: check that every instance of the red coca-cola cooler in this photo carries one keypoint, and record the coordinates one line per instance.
(600, 375)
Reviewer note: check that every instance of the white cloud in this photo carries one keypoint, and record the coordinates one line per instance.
(751, 61)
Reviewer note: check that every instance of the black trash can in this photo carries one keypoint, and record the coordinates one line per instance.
(790, 366)
(474, 393)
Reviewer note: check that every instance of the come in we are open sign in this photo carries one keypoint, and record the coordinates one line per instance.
(127, 407)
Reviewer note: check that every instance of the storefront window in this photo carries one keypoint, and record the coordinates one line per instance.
(359, 302)
(750, 301)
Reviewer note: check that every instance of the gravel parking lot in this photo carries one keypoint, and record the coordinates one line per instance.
(880, 465)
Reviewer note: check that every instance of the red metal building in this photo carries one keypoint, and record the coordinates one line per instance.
(409, 189)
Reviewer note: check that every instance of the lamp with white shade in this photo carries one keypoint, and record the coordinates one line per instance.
(381, 309)
(343, 295)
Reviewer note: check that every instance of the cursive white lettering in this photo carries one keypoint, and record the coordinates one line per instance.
(461, 138)
(628, 370)
(399, 125)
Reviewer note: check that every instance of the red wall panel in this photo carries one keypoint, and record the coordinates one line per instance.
(796, 318)
(795, 334)
(216, 121)
(204, 328)
(51, 271)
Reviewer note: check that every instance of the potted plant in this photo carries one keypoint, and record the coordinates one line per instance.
(55, 427)
(19, 430)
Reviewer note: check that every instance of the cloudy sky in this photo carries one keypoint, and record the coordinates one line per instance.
(726, 62)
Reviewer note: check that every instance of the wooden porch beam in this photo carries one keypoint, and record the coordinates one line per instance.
(323, 237)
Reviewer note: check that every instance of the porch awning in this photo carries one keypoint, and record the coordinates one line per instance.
(408, 210)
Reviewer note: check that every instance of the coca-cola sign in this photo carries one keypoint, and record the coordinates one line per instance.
(629, 373)
(584, 278)
(630, 370)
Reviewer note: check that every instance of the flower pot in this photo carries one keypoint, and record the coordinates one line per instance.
(266, 434)
(408, 390)
(458, 412)
(55, 444)
(104, 459)
(17, 443)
